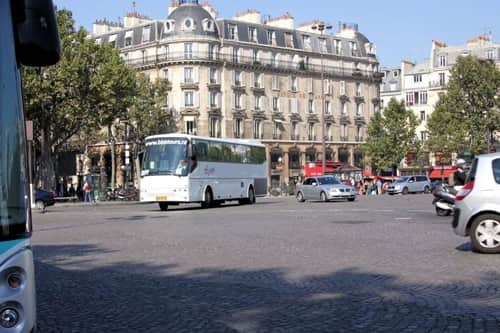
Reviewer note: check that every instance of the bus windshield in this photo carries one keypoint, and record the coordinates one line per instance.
(165, 156)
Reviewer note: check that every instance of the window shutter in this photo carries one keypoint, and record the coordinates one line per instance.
(243, 102)
(196, 101)
(219, 100)
(233, 77)
(243, 81)
(310, 85)
(196, 75)
(233, 98)
(294, 105)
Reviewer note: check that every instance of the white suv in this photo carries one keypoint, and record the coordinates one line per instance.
(477, 207)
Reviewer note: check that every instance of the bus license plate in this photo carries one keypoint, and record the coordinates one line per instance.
(161, 198)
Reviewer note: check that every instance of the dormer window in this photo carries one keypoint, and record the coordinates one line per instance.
(112, 40)
(128, 37)
(146, 34)
(233, 31)
(189, 24)
(252, 34)
(208, 25)
(307, 42)
(288, 39)
(169, 26)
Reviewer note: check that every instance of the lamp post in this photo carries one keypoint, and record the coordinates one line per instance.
(321, 27)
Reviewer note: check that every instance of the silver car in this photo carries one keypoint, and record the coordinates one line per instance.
(324, 188)
(477, 206)
(410, 184)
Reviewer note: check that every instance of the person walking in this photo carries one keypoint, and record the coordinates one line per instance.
(379, 186)
(87, 188)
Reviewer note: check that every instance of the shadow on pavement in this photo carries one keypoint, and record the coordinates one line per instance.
(77, 295)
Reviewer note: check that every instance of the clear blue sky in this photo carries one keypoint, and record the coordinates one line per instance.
(400, 29)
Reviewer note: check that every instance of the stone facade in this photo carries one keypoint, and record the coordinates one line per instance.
(261, 80)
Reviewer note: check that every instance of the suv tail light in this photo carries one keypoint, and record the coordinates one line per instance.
(465, 191)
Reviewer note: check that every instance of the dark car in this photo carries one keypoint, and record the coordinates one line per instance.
(44, 198)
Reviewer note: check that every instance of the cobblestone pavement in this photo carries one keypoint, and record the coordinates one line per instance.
(380, 264)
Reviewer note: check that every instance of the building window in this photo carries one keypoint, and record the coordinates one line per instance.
(188, 75)
(236, 53)
(322, 45)
(293, 83)
(311, 134)
(276, 82)
(257, 103)
(213, 130)
(293, 131)
(276, 130)
(238, 78)
(213, 99)
(442, 79)
(306, 41)
(208, 25)
(353, 47)
(188, 99)
(271, 37)
(342, 88)
(256, 56)
(188, 51)
(344, 132)
(128, 38)
(112, 41)
(257, 129)
(359, 109)
(237, 101)
(288, 39)
(276, 106)
(343, 108)
(423, 136)
(146, 34)
(442, 60)
(257, 80)
(417, 78)
(423, 97)
(422, 115)
(338, 46)
(328, 107)
(212, 75)
(328, 133)
(490, 54)
(395, 73)
(310, 106)
(211, 52)
(238, 128)
(252, 34)
(233, 31)
(410, 98)
(358, 89)
(190, 127)
(189, 24)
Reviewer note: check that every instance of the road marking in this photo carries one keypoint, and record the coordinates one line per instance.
(402, 218)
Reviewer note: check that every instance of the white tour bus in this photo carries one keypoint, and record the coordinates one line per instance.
(180, 168)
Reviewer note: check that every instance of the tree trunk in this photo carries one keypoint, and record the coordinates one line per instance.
(47, 173)
(113, 158)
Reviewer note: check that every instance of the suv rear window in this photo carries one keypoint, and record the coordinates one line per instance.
(496, 170)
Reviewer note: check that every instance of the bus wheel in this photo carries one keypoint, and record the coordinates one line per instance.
(208, 199)
(163, 206)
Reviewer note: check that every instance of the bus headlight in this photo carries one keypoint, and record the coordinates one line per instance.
(15, 280)
(9, 318)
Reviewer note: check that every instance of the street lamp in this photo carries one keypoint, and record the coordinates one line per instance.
(321, 27)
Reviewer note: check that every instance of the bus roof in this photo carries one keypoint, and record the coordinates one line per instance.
(189, 137)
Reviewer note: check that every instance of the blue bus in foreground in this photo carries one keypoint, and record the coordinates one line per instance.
(28, 37)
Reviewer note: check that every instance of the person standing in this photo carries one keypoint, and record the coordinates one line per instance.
(379, 186)
(87, 188)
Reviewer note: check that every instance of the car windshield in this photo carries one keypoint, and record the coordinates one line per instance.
(328, 181)
(165, 156)
(402, 180)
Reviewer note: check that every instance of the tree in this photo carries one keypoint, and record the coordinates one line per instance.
(113, 90)
(469, 111)
(148, 113)
(391, 135)
(58, 96)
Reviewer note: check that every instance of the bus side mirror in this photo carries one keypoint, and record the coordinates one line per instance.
(37, 36)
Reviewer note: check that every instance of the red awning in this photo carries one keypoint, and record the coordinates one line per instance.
(439, 173)
(367, 174)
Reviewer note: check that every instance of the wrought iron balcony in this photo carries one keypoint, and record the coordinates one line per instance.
(205, 57)
(344, 138)
(277, 136)
(311, 137)
(359, 138)
(294, 137)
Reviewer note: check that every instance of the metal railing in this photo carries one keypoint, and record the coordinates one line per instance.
(159, 59)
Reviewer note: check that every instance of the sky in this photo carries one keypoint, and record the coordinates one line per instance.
(401, 30)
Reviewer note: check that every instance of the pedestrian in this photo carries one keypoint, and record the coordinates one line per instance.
(87, 188)
(379, 186)
(361, 187)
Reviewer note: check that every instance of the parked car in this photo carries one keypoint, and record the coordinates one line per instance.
(44, 198)
(477, 205)
(410, 184)
(324, 188)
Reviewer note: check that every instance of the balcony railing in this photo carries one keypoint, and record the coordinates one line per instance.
(359, 138)
(277, 136)
(344, 138)
(160, 59)
(294, 137)
(311, 137)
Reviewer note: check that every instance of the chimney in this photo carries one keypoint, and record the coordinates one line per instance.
(307, 26)
(133, 18)
(103, 26)
(479, 40)
(347, 30)
(249, 16)
(284, 21)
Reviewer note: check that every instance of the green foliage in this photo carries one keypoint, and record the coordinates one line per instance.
(148, 113)
(391, 135)
(464, 117)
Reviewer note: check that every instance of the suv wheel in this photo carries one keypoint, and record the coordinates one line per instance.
(405, 191)
(485, 233)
